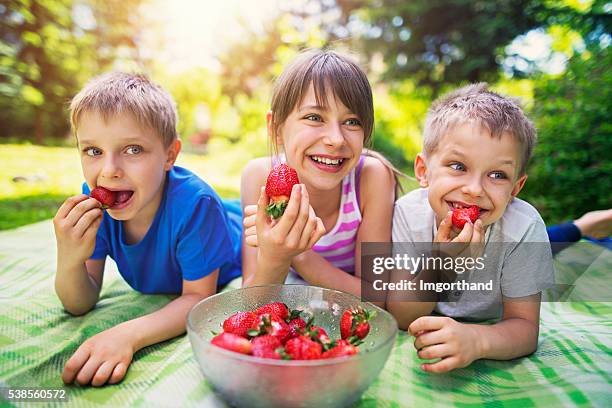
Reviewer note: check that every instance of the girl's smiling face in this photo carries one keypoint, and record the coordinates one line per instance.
(322, 143)
(470, 167)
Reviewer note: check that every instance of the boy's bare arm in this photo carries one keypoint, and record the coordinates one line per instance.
(516, 334)
(459, 344)
(105, 357)
(170, 321)
(78, 279)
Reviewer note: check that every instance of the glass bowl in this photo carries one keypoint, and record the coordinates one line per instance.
(247, 381)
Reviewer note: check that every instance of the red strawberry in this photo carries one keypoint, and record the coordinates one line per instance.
(277, 308)
(240, 323)
(271, 324)
(296, 327)
(318, 333)
(106, 197)
(354, 323)
(265, 346)
(340, 348)
(280, 182)
(303, 348)
(463, 215)
(233, 342)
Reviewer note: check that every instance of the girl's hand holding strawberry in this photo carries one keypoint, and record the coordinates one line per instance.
(295, 232)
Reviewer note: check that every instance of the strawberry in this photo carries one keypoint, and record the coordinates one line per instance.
(240, 323)
(354, 324)
(273, 325)
(463, 215)
(302, 348)
(233, 342)
(319, 334)
(340, 348)
(265, 346)
(106, 197)
(296, 327)
(277, 308)
(280, 182)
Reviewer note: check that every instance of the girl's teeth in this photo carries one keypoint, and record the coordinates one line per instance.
(326, 160)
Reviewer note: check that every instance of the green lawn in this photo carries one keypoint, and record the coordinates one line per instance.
(35, 180)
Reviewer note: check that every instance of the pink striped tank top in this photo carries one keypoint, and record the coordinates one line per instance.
(338, 245)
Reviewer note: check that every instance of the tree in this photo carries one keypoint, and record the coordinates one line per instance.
(572, 158)
(437, 42)
(49, 48)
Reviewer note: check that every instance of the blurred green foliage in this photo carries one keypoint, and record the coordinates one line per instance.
(572, 168)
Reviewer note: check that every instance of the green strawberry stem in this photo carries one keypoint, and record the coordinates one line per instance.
(276, 209)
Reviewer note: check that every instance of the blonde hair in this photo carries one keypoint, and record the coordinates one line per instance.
(327, 70)
(119, 92)
(476, 103)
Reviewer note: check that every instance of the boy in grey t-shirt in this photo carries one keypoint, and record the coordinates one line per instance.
(476, 148)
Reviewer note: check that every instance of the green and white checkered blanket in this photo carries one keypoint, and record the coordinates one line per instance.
(572, 367)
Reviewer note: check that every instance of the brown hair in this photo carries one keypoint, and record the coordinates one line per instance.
(326, 70)
(476, 103)
(323, 69)
(118, 92)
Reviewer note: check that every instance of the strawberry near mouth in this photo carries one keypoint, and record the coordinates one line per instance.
(456, 205)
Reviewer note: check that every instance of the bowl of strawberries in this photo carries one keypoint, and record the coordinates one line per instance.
(290, 345)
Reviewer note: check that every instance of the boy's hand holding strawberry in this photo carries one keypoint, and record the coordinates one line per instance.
(440, 337)
(76, 224)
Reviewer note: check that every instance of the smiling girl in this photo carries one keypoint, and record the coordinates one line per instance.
(320, 120)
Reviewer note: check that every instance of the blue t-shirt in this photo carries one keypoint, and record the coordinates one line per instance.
(192, 234)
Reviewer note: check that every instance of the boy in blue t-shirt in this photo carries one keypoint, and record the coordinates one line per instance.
(167, 230)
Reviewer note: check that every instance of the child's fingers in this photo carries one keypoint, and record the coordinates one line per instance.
(466, 233)
(118, 373)
(445, 228)
(291, 211)
(69, 204)
(478, 235)
(78, 210)
(262, 203)
(250, 231)
(442, 366)
(92, 230)
(435, 351)
(103, 374)
(87, 372)
(251, 240)
(249, 221)
(87, 220)
(74, 364)
(310, 227)
(250, 210)
(427, 323)
(295, 234)
(317, 233)
(429, 339)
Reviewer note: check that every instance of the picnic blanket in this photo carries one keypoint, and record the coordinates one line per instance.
(572, 366)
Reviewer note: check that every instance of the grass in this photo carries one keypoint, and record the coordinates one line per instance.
(35, 180)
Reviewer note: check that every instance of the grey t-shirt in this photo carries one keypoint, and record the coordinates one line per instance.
(518, 257)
